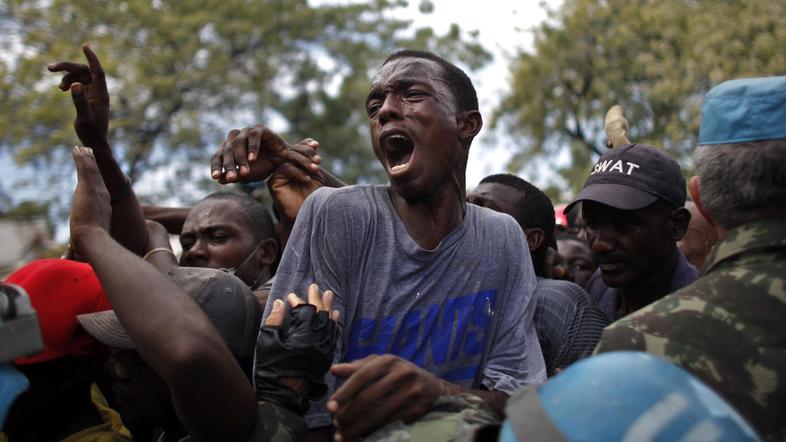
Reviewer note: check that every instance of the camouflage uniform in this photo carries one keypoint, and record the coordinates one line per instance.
(452, 418)
(727, 328)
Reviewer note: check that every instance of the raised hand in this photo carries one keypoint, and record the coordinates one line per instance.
(87, 84)
(90, 208)
(296, 179)
(248, 155)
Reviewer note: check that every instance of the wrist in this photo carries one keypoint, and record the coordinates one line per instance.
(88, 238)
(448, 388)
(100, 146)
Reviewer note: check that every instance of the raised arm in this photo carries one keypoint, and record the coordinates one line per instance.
(168, 328)
(172, 218)
(87, 84)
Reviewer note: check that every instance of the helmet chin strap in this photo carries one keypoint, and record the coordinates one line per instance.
(234, 270)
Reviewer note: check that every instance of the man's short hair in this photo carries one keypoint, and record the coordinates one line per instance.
(460, 84)
(742, 182)
(256, 216)
(533, 209)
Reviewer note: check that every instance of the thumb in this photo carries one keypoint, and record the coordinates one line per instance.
(80, 100)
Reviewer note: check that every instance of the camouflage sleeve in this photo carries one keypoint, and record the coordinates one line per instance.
(277, 424)
(456, 418)
(621, 337)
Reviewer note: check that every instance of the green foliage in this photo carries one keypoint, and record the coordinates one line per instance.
(656, 58)
(26, 210)
(182, 73)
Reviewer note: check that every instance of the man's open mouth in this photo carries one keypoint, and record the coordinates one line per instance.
(398, 148)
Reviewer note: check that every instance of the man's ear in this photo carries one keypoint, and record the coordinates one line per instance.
(694, 188)
(267, 252)
(678, 223)
(469, 124)
(535, 238)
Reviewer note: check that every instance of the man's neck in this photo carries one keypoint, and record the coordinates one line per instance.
(429, 220)
(649, 288)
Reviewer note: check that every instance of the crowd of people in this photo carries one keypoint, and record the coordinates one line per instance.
(415, 310)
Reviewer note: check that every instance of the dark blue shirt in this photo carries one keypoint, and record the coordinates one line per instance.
(608, 299)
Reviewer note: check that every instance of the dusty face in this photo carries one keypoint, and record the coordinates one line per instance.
(215, 236)
(414, 131)
(628, 244)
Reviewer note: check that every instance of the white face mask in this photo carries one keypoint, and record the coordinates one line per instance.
(234, 270)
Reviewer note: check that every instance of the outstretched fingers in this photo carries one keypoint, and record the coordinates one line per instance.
(75, 73)
(323, 301)
(222, 164)
(96, 70)
(277, 314)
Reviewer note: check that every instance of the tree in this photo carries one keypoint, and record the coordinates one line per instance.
(657, 58)
(181, 73)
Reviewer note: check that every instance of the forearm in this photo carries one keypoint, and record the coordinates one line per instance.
(145, 300)
(496, 400)
(170, 217)
(175, 337)
(128, 222)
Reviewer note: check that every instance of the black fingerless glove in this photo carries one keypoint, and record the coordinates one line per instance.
(302, 347)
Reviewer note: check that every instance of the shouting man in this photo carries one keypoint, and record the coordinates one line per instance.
(441, 289)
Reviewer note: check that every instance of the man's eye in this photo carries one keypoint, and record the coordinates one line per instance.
(186, 244)
(218, 238)
(372, 109)
(415, 94)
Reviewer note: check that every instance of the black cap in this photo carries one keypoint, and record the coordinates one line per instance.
(632, 177)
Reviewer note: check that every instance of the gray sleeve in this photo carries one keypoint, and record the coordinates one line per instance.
(317, 251)
(314, 252)
(515, 358)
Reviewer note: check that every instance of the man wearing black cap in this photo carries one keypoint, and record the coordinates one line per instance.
(633, 203)
(727, 327)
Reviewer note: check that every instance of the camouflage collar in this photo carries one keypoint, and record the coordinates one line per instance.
(751, 236)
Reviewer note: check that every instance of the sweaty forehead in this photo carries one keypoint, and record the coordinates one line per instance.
(409, 69)
(214, 212)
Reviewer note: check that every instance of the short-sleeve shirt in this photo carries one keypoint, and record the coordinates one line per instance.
(462, 311)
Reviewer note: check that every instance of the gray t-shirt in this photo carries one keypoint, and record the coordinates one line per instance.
(462, 311)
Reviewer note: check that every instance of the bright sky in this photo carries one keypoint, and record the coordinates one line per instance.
(504, 26)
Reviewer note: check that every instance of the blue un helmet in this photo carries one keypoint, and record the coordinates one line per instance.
(622, 396)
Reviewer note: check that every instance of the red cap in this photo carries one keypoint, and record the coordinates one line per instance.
(559, 215)
(59, 290)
